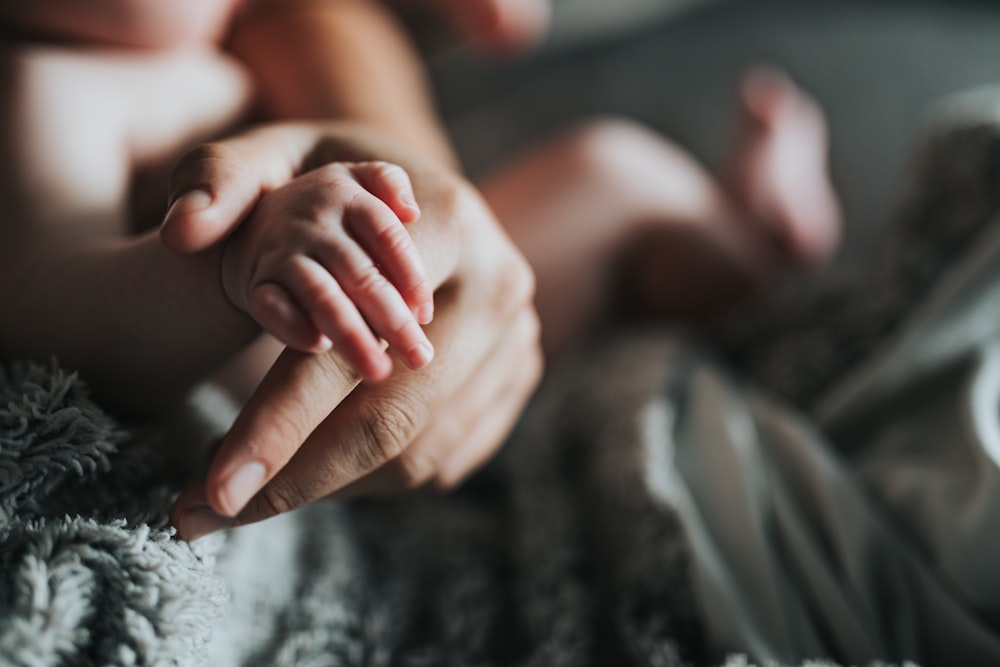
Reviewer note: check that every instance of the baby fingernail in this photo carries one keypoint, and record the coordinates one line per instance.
(420, 355)
(243, 485)
(191, 202)
(408, 201)
(425, 313)
(201, 521)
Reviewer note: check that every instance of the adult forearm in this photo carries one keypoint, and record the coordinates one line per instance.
(340, 59)
(140, 323)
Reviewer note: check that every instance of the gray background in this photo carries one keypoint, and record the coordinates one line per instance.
(876, 67)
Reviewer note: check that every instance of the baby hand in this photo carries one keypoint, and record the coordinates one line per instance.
(325, 261)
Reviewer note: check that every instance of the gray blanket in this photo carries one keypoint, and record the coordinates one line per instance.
(818, 483)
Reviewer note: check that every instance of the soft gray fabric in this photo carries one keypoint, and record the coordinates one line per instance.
(563, 554)
(90, 574)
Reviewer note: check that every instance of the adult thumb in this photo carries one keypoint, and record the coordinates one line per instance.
(212, 189)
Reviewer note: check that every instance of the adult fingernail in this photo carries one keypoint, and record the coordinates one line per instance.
(201, 521)
(190, 202)
(420, 355)
(243, 485)
(425, 314)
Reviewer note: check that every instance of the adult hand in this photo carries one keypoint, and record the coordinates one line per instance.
(311, 430)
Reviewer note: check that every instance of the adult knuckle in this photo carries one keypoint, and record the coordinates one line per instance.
(209, 153)
(414, 470)
(278, 497)
(388, 430)
(197, 163)
(454, 201)
(450, 432)
(514, 287)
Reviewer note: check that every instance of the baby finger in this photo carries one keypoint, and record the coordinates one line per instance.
(377, 299)
(388, 243)
(391, 184)
(334, 314)
(271, 306)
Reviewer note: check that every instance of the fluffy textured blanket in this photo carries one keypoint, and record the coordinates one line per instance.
(651, 509)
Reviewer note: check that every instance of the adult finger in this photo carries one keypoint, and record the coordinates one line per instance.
(216, 185)
(467, 431)
(296, 395)
(376, 423)
(486, 436)
(481, 439)
(487, 282)
(194, 516)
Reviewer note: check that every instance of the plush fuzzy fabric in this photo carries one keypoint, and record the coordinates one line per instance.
(558, 555)
(563, 553)
(501, 573)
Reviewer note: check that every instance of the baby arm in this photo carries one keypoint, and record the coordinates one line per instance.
(75, 283)
(326, 261)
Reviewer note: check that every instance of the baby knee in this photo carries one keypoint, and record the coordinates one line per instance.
(609, 149)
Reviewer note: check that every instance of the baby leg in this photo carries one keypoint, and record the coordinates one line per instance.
(783, 214)
(778, 170)
(615, 219)
(579, 203)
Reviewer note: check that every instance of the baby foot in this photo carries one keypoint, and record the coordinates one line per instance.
(779, 170)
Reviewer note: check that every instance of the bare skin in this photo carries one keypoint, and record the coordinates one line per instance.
(415, 429)
(128, 312)
(778, 171)
(612, 194)
(74, 271)
(573, 206)
(324, 262)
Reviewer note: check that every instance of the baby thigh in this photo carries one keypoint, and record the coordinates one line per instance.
(75, 126)
(577, 205)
